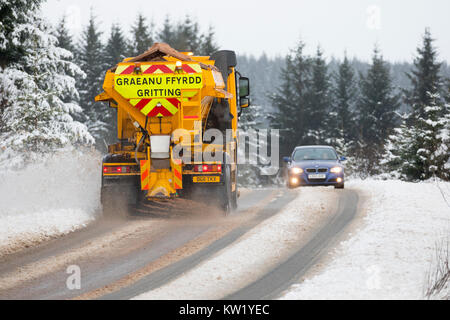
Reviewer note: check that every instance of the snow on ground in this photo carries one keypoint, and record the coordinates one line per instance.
(48, 199)
(255, 253)
(391, 254)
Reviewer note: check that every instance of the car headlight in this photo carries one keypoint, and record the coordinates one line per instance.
(336, 169)
(296, 170)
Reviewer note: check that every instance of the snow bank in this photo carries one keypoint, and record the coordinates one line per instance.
(390, 256)
(50, 198)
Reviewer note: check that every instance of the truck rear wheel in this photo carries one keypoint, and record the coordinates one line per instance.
(228, 198)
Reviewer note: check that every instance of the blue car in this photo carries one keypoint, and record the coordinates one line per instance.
(315, 166)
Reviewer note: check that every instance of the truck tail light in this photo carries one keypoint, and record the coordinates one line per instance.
(208, 168)
(116, 169)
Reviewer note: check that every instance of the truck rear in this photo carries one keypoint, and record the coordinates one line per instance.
(177, 118)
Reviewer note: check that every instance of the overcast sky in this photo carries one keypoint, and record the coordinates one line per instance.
(254, 27)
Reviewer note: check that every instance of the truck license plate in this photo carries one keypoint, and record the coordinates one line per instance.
(206, 179)
(317, 176)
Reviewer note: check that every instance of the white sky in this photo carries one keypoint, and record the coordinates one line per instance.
(253, 27)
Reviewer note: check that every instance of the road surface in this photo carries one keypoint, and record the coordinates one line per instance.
(122, 258)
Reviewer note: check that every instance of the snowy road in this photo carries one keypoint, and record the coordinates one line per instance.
(276, 281)
(280, 232)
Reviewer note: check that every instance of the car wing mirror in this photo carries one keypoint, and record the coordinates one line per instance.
(342, 158)
(287, 159)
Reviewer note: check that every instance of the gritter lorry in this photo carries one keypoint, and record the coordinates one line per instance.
(177, 120)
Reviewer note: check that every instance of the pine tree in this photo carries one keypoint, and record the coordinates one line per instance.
(116, 47)
(433, 139)
(166, 34)
(318, 102)
(345, 94)
(208, 44)
(284, 102)
(13, 14)
(447, 92)
(65, 41)
(421, 146)
(142, 37)
(401, 158)
(63, 36)
(37, 89)
(187, 35)
(425, 79)
(290, 100)
(377, 117)
(417, 152)
(90, 57)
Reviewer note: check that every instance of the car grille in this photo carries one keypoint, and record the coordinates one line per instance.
(313, 170)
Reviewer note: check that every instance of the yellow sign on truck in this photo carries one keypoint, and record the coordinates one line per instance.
(157, 81)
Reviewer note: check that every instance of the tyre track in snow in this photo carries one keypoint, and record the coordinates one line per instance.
(39, 273)
(163, 276)
(162, 251)
(272, 284)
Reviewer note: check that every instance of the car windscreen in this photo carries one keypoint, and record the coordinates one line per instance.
(304, 154)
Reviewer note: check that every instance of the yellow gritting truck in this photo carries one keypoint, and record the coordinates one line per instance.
(177, 119)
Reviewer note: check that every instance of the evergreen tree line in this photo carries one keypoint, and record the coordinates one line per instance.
(95, 56)
(38, 97)
(264, 72)
(49, 80)
(359, 112)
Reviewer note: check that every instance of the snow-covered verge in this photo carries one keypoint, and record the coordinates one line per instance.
(256, 253)
(391, 254)
(49, 198)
